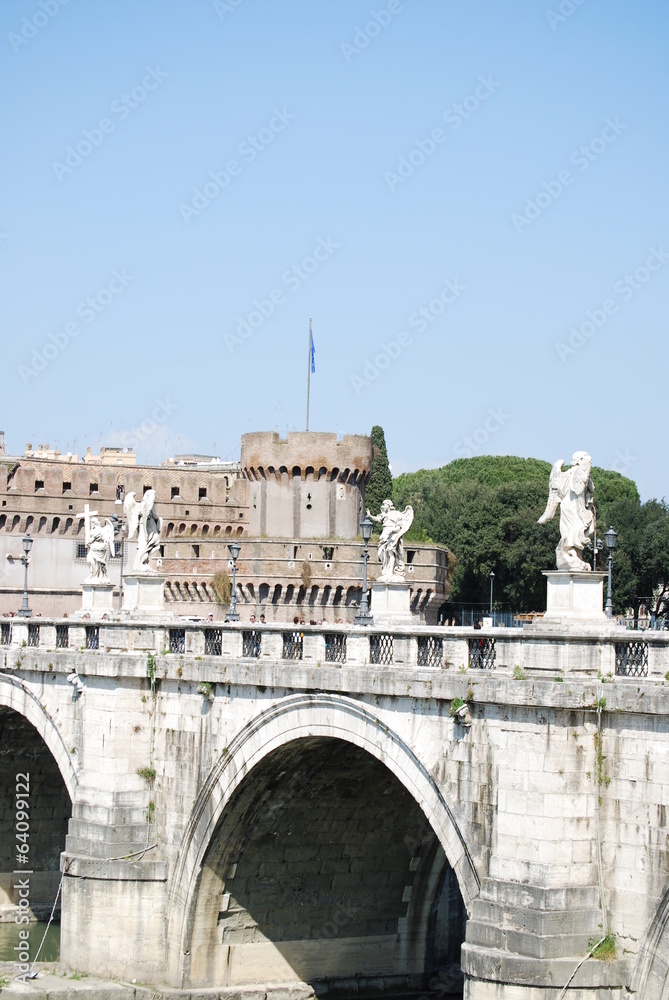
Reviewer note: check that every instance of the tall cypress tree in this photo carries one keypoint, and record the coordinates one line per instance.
(380, 485)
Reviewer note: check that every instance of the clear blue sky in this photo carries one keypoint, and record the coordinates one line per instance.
(319, 108)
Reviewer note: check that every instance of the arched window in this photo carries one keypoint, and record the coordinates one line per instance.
(29, 522)
(42, 524)
(55, 524)
(3, 520)
(205, 529)
(170, 529)
(193, 529)
(217, 529)
(228, 529)
(182, 528)
(240, 530)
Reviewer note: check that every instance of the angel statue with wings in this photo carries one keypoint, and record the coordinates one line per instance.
(100, 545)
(143, 519)
(572, 489)
(395, 523)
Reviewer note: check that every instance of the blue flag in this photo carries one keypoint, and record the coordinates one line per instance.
(313, 354)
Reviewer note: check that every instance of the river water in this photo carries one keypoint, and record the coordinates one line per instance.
(9, 938)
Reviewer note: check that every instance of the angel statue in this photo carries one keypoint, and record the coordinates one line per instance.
(395, 523)
(572, 489)
(143, 518)
(100, 545)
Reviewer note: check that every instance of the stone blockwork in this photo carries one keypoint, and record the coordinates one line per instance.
(237, 812)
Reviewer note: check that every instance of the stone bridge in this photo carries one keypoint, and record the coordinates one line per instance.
(227, 807)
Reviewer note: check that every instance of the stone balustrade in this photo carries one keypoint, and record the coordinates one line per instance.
(608, 651)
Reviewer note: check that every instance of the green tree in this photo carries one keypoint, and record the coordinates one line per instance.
(380, 485)
(485, 510)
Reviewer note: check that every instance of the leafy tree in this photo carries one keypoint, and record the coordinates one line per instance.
(485, 510)
(380, 485)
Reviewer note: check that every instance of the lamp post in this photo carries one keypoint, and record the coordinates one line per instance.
(492, 580)
(24, 610)
(364, 617)
(611, 537)
(232, 611)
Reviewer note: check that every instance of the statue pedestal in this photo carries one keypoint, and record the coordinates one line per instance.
(97, 595)
(390, 604)
(574, 598)
(143, 594)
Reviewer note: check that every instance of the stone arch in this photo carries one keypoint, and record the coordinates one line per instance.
(18, 697)
(302, 717)
(650, 978)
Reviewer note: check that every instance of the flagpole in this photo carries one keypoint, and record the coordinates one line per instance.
(308, 371)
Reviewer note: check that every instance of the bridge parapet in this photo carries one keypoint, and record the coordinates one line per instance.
(606, 651)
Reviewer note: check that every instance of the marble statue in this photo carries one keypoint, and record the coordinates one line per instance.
(395, 523)
(572, 489)
(100, 545)
(143, 520)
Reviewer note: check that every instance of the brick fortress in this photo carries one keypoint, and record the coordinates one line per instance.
(293, 505)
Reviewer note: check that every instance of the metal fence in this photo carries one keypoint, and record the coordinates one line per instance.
(335, 647)
(62, 636)
(381, 649)
(292, 645)
(92, 637)
(213, 641)
(33, 635)
(632, 659)
(430, 651)
(251, 645)
(177, 640)
(482, 654)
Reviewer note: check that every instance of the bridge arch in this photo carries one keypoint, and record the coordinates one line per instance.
(313, 724)
(18, 697)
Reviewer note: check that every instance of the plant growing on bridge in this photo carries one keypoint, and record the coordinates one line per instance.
(518, 674)
(456, 704)
(605, 950)
(148, 773)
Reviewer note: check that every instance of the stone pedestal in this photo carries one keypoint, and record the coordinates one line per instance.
(97, 596)
(143, 594)
(391, 606)
(574, 598)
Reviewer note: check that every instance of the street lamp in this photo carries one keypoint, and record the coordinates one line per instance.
(364, 617)
(611, 537)
(492, 580)
(24, 610)
(235, 549)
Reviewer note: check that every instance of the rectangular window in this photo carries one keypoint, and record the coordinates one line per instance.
(147, 488)
(92, 488)
(328, 552)
(81, 550)
(196, 551)
(39, 485)
(174, 495)
(202, 492)
(410, 554)
(66, 486)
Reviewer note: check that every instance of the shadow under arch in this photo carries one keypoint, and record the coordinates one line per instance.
(302, 717)
(18, 697)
